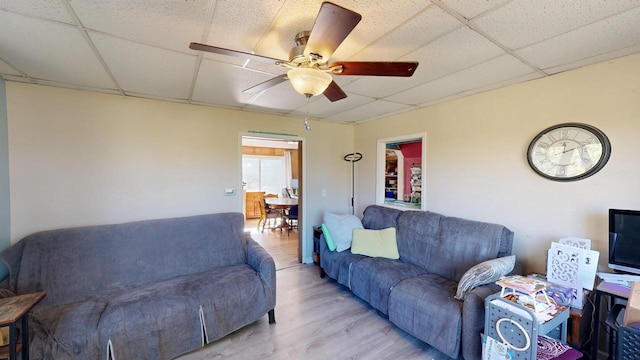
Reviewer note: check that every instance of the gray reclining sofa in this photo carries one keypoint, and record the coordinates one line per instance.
(141, 290)
(417, 291)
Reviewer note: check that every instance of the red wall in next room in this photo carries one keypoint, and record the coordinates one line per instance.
(412, 153)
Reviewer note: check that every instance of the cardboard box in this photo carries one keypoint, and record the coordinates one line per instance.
(632, 313)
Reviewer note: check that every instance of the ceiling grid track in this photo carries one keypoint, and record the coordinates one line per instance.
(473, 27)
(211, 10)
(86, 36)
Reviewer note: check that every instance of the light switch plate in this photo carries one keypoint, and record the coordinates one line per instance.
(229, 192)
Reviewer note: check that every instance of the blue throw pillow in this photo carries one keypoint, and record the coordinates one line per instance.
(341, 228)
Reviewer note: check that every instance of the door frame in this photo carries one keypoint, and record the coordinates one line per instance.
(302, 210)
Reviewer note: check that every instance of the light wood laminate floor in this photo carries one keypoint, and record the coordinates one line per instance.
(317, 319)
(282, 246)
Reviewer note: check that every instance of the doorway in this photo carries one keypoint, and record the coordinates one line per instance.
(272, 168)
(399, 175)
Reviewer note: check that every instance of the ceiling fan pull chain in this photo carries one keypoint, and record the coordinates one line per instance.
(307, 127)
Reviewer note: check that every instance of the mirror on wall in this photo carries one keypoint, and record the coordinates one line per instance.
(400, 182)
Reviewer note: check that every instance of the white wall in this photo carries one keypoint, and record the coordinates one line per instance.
(5, 211)
(81, 158)
(476, 156)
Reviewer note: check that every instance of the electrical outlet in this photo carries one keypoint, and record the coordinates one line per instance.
(324, 192)
(230, 192)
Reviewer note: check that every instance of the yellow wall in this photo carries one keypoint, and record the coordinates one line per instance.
(476, 165)
(81, 158)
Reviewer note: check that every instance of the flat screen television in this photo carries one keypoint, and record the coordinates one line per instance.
(624, 240)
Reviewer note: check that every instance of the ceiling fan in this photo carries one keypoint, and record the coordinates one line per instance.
(308, 64)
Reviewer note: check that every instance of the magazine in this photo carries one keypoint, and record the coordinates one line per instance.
(523, 284)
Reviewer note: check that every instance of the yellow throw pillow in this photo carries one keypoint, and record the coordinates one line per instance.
(375, 243)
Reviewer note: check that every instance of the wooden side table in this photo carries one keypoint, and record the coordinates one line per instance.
(317, 232)
(579, 326)
(13, 309)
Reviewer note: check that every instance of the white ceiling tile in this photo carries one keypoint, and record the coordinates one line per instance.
(453, 52)
(592, 60)
(293, 17)
(253, 17)
(7, 69)
(50, 50)
(45, 9)
(145, 45)
(78, 87)
(146, 69)
(268, 68)
(426, 26)
(526, 77)
(281, 99)
(524, 22)
(500, 69)
(223, 84)
(165, 23)
(614, 33)
(17, 78)
(369, 111)
(472, 8)
(381, 86)
(321, 107)
(378, 18)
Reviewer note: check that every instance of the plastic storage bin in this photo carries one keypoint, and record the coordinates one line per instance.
(628, 343)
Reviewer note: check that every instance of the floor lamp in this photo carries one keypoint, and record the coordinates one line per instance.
(353, 158)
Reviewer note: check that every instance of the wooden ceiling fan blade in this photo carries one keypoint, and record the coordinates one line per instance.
(267, 84)
(229, 52)
(331, 27)
(376, 68)
(334, 92)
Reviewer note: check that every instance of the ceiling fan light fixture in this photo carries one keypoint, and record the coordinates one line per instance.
(309, 81)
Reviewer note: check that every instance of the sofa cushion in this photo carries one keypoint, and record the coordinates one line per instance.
(65, 331)
(126, 255)
(378, 217)
(372, 279)
(461, 244)
(337, 264)
(417, 230)
(375, 243)
(484, 273)
(424, 307)
(341, 229)
(230, 298)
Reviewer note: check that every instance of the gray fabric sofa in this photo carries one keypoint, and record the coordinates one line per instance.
(141, 290)
(417, 291)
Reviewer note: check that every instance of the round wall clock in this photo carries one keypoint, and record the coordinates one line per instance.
(569, 152)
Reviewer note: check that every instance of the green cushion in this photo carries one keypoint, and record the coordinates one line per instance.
(327, 238)
(375, 243)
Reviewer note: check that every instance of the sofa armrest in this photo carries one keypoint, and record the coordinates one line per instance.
(260, 260)
(473, 320)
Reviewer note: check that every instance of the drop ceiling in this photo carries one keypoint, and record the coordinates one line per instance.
(141, 48)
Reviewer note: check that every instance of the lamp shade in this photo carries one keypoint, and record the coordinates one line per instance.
(309, 81)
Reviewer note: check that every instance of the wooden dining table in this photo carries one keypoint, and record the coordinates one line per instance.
(280, 205)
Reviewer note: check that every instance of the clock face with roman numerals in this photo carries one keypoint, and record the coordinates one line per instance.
(569, 152)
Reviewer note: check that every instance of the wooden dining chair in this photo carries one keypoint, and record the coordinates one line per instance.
(291, 216)
(265, 215)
